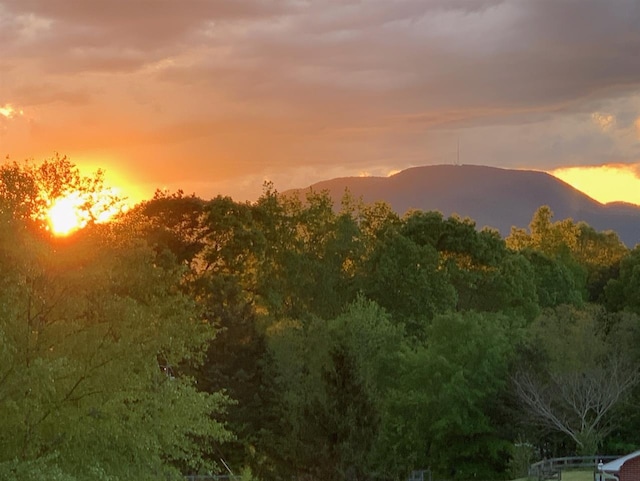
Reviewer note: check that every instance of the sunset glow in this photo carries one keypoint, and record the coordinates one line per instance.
(74, 211)
(605, 183)
(6, 111)
(213, 97)
(66, 215)
(119, 180)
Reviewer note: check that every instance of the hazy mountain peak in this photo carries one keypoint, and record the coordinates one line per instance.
(492, 196)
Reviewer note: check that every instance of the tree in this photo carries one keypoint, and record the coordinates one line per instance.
(172, 222)
(405, 278)
(376, 219)
(373, 346)
(600, 253)
(555, 283)
(332, 381)
(226, 284)
(552, 238)
(320, 266)
(554, 250)
(310, 258)
(583, 379)
(301, 355)
(622, 292)
(441, 402)
(93, 329)
(485, 274)
(29, 190)
(511, 288)
(467, 365)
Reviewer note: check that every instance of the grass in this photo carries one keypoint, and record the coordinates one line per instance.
(571, 476)
(577, 475)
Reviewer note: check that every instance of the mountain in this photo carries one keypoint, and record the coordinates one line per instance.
(492, 197)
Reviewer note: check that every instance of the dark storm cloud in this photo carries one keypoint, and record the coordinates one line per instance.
(412, 57)
(420, 54)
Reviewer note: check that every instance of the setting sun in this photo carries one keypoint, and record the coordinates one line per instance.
(75, 210)
(66, 215)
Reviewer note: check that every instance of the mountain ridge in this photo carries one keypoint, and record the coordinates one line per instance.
(493, 197)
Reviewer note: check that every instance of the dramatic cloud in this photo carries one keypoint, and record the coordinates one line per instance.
(217, 96)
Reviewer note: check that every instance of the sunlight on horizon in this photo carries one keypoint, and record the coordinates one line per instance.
(120, 181)
(65, 215)
(75, 210)
(605, 183)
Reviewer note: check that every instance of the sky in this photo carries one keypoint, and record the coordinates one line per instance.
(217, 96)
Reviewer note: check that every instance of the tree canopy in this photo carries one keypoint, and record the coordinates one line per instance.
(94, 331)
(291, 338)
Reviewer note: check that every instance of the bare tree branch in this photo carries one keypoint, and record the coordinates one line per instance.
(577, 403)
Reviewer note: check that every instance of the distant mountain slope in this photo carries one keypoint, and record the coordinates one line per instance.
(498, 198)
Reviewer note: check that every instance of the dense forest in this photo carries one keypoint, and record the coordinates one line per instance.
(300, 340)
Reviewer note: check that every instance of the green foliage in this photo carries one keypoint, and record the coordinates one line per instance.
(373, 340)
(522, 456)
(622, 293)
(42, 468)
(600, 253)
(172, 222)
(93, 329)
(585, 372)
(405, 278)
(512, 289)
(557, 252)
(376, 219)
(310, 256)
(350, 344)
(439, 402)
(554, 239)
(302, 354)
(28, 190)
(468, 359)
(555, 283)
(332, 380)
(485, 275)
